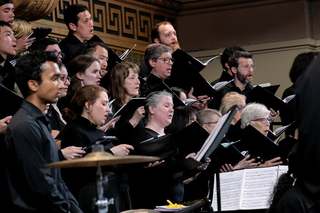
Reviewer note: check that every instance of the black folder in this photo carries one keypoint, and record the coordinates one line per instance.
(176, 99)
(285, 147)
(104, 140)
(113, 58)
(12, 102)
(185, 75)
(129, 108)
(258, 144)
(273, 88)
(196, 63)
(162, 147)
(190, 139)
(229, 154)
(263, 96)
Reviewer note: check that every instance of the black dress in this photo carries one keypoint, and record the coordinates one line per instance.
(150, 187)
(82, 181)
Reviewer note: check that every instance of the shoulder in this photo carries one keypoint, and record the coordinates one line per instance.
(291, 201)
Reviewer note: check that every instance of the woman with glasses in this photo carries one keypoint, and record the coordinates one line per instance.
(257, 115)
(58, 123)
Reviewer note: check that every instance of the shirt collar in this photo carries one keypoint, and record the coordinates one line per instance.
(35, 112)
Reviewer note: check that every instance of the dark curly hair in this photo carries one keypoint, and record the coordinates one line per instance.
(29, 67)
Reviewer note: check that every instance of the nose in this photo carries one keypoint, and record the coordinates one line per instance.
(61, 85)
(12, 14)
(67, 83)
(98, 75)
(107, 108)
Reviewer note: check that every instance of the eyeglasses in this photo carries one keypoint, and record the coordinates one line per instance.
(65, 79)
(58, 53)
(212, 122)
(248, 67)
(166, 60)
(263, 120)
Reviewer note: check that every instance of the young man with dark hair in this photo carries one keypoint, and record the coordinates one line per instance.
(226, 73)
(7, 15)
(99, 50)
(29, 144)
(241, 66)
(7, 48)
(48, 45)
(80, 24)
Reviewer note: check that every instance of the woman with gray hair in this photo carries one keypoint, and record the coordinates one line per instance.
(258, 116)
(154, 184)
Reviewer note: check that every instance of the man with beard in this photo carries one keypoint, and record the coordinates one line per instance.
(162, 33)
(241, 66)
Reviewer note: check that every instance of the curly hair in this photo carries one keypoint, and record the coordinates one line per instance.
(29, 67)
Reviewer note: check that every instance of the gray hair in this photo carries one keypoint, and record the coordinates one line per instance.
(204, 116)
(253, 111)
(153, 99)
(154, 51)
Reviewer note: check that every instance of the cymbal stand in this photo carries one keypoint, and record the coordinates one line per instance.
(102, 202)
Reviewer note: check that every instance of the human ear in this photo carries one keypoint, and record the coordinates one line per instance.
(234, 70)
(72, 26)
(152, 62)
(156, 40)
(151, 110)
(33, 85)
(79, 75)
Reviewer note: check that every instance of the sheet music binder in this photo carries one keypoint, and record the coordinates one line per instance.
(162, 147)
(129, 108)
(190, 139)
(185, 75)
(263, 96)
(215, 137)
(258, 144)
(12, 104)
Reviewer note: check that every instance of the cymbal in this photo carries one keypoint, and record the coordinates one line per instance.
(104, 158)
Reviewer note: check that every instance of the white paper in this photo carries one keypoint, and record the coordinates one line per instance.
(247, 189)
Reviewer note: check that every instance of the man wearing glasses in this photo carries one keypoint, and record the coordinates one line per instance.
(159, 61)
(241, 66)
(48, 45)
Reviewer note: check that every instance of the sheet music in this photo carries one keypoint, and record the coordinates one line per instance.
(289, 98)
(221, 84)
(208, 61)
(230, 191)
(279, 130)
(263, 85)
(248, 188)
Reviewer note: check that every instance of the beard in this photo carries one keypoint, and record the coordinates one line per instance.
(243, 78)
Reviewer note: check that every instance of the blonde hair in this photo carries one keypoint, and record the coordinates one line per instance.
(229, 100)
(21, 28)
